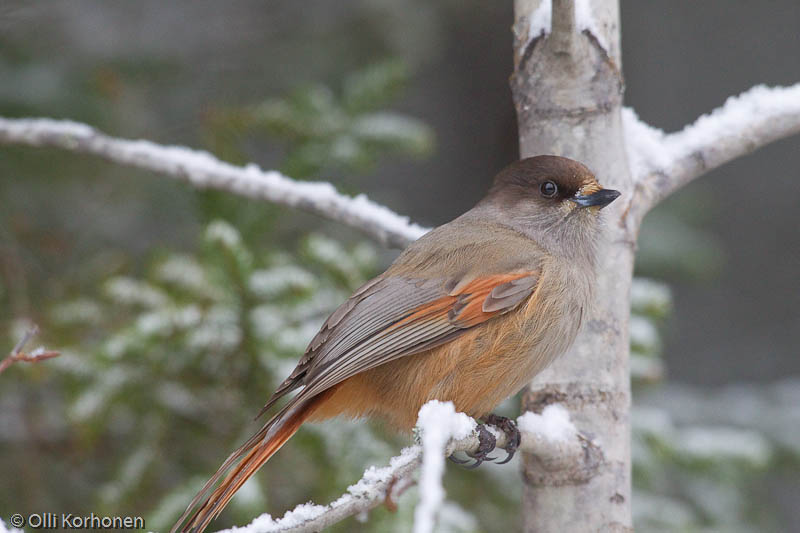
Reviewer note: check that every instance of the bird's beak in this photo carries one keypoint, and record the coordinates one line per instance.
(600, 199)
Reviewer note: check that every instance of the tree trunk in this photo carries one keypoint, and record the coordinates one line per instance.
(567, 88)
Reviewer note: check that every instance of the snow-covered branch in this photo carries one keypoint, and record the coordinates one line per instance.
(661, 163)
(550, 437)
(439, 423)
(203, 170)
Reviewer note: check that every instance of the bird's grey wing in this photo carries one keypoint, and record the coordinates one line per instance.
(391, 317)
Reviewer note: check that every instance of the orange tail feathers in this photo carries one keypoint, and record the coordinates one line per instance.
(250, 456)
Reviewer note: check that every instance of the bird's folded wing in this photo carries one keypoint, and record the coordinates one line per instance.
(391, 317)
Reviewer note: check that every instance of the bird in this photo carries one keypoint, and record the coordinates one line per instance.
(468, 313)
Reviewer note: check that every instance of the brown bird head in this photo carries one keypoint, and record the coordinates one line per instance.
(554, 200)
(551, 183)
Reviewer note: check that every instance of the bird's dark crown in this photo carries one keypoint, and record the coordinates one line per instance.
(527, 175)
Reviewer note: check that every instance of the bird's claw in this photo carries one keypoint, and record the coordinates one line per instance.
(456, 460)
(513, 436)
(486, 443)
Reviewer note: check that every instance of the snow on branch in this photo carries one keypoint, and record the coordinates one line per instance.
(661, 163)
(203, 170)
(564, 16)
(439, 423)
(550, 437)
(17, 355)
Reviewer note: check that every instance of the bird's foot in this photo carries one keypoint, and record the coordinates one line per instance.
(486, 443)
(513, 436)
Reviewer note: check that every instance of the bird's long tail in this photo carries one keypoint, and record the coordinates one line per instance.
(248, 458)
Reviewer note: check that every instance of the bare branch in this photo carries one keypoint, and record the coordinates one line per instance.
(563, 29)
(662, 163)
(384, 485)
(203, 170)
(561, 20)
(18, 355)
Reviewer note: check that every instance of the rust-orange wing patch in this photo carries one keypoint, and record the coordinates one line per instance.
(483, 298)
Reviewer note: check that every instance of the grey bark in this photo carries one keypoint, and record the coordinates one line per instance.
(567, 87)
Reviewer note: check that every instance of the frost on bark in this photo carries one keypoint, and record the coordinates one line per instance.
(567, 88)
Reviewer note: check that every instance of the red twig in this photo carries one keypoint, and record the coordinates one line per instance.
(17, 354)
(397, 486)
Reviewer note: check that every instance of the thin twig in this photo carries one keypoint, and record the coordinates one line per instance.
(18, 355)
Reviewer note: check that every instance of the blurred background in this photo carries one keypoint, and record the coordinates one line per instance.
(177, 310)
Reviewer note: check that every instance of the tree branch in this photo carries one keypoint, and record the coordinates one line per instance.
(563, 29)
(202, 170)
(662, 163)
(550, 437)
(17, 355)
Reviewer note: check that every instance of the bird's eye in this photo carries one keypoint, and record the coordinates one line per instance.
(548, 189)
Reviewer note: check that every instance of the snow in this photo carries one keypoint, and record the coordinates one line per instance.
(541, 20)
(78, 311)
(649, 295)
(296, 339)
(453, 518)
(202, 169)
(269, 283)
(553, 424)
(266, 320)
(644, 335)
(185, 272)
(650, 149)
(73, 364)
(390, 127)
(668, 514)
(266, 524)
(223, 233)
(177, 398)
(439, 422)
(219, 330)
(585, 21)
(27, 126)
(128, 291)
(97, 397)
(712, 443)
(6, 529)
(373, 476)
(154, 324)
(370, 487)
(651, 421)
(646, 146)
